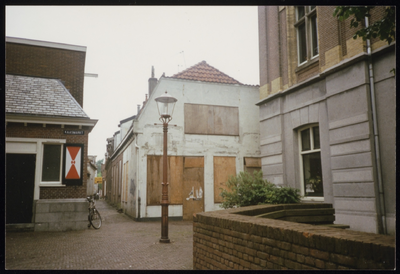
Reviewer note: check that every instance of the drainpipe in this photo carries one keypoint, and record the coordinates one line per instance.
(381, 202)
(137, 172)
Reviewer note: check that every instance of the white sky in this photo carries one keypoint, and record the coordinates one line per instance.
(123, 42)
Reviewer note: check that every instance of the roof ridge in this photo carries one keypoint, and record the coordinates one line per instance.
(70, 95)
(205, 72)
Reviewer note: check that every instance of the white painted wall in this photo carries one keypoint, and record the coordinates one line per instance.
(124, 127)
(91, 187)
(117, 140)
(150, 137)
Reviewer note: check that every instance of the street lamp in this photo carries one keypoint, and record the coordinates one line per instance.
(165, 106)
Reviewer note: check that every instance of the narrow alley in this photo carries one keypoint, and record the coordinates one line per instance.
(120, 243)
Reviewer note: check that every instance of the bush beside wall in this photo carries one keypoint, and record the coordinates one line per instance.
(225, 240)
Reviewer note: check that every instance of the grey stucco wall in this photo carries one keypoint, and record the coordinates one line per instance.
(61, 214)
(385, 85)
(339, 102)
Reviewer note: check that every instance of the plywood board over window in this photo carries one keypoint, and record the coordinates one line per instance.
(175, 175)
(186, 182)
(155, 178)
(193, 186)
(224, 167)
(252, 164)
(211, 120)
(126, 181)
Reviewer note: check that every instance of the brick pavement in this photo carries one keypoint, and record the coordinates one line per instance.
(120, 243)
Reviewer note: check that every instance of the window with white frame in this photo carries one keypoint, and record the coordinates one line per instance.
(307, 33)
(310, 162)
(51, 164)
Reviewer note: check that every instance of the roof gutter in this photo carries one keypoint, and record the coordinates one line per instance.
(33, 119)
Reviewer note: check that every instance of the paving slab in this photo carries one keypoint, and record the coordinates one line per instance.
(120, 243)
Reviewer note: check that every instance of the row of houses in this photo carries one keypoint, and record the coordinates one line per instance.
(322, 120)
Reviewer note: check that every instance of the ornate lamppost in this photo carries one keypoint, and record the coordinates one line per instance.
(165, 105)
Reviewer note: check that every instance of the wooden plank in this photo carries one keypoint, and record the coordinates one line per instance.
(226, 120)
(194, 162)
(196, 119)
(154, 179)
(224, 167)
(193, 189)
(155, 175)
(175, 179)
(252, 162)
(251, 170)
(212, 120)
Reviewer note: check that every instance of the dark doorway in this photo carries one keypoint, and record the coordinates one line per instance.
(20, 182)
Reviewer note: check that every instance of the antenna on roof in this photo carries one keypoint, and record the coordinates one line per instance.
(183, 55)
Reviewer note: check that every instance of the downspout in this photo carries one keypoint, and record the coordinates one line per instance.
(137, 174)
(381, 202)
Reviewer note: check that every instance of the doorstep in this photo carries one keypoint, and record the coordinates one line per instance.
(20, 227)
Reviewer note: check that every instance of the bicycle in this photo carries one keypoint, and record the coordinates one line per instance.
(94, 215)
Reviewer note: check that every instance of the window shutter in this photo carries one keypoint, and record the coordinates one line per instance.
(73, 162)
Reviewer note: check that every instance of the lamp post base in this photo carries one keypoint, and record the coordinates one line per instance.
(165, 241)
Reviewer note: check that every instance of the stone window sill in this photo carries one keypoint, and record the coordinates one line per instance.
(307, 65)
(313, 199)
(52, 185)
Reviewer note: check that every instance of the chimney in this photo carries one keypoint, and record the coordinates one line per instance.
(152, 81)
(138, 109)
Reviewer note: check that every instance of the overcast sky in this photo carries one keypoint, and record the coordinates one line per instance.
(123, 42)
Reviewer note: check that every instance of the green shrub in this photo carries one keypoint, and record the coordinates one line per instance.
(246, 189)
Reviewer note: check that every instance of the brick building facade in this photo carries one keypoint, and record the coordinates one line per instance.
(65, 62)
(44, 120)
(327, 113)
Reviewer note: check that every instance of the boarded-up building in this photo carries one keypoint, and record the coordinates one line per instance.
(214, 133)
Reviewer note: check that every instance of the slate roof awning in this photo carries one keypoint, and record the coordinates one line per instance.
(37, 96)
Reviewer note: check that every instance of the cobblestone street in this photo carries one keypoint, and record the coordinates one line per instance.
(120, 243)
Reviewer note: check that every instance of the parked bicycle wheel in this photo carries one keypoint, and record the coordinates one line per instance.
(95, 219)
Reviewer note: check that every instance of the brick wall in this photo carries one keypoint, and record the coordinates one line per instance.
(262, 40)
(273, 45)
(54, 132)
(283, 47)
(308, 72)
(328, 31)
(223, 240)
(278, 45)
(67, 65)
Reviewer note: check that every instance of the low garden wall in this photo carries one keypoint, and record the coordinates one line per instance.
(235, 239)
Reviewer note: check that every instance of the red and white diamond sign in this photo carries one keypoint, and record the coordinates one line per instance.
(73, 162)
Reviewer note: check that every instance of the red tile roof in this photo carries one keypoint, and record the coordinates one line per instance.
(205, 73)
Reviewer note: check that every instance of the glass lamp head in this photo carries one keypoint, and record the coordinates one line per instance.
(165, 105)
